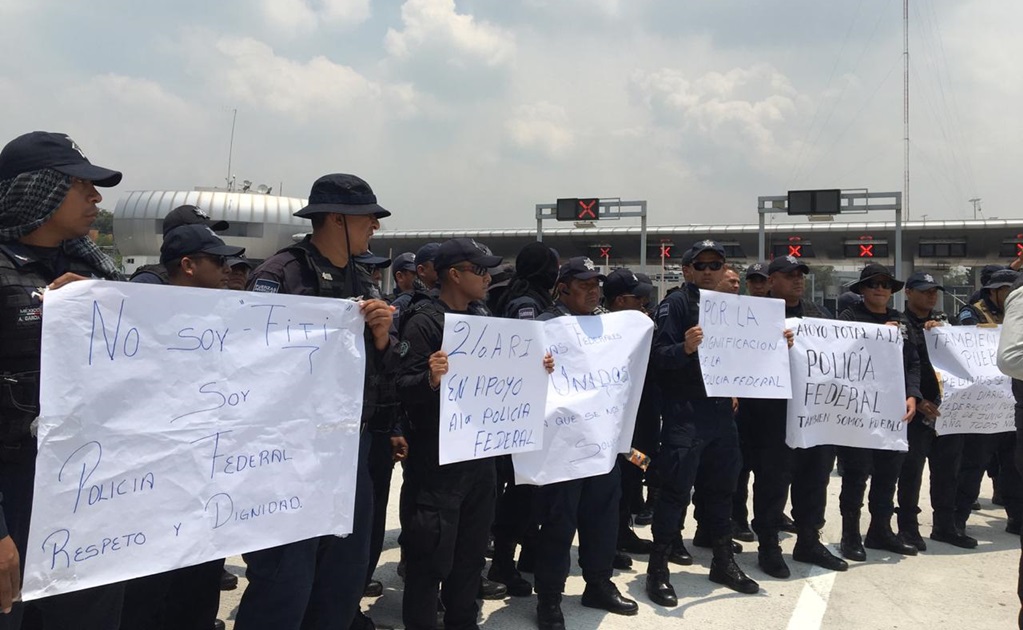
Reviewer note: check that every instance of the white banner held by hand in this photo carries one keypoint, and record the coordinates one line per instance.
(848, 385)
(593, 396)
(180, 425)
(492, 398)
(976, 397)
(744, 352)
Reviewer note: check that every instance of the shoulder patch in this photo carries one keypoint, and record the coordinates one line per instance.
(966, 313)
(403, 348)
(396, 314)
(527, 312)
(265, 285)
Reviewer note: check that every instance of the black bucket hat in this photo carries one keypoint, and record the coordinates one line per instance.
(875, 270)
(340, 193)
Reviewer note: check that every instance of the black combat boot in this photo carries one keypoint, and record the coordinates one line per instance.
(724, 570)
(679, 554)
(548, 612)
(909, 532)
(606, 596)
(945, 531)
(810, 550)
(769, 557)
(658, 583)
(852, 543)
(880, 536)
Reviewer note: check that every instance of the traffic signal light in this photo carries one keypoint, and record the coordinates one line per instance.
(575, 209)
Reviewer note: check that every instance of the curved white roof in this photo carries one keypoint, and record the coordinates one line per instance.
(262, 224)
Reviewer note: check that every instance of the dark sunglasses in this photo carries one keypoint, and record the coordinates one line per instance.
(476, 270)
(877, 284)
(220, 261)
(703, 266)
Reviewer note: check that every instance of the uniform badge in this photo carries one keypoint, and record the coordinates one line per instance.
(265, 285)
(403, 348)
(527, 312)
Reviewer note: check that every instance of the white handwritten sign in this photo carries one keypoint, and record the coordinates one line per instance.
(592, 397)
(492, 398)
(848, 385)
(744, 352)
(976, 396)
(183, 425)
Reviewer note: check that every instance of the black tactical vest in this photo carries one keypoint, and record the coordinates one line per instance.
(22, 279)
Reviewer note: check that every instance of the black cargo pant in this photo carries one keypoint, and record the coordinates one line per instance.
(514, 515)
(183, 599)
(778, 471)
(747, 430)
(314, 583)
(699, 446)
(588, 505)
(978, 451)
(943, 452)
(449, 513)
(882, 468)
(91, 609)
(381, 467)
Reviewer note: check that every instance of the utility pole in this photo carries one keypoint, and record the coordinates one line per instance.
(905, 109)
(976, 206)
(230, 152)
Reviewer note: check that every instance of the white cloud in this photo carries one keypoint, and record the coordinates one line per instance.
(304, 16)
(744, 106)
(257, 76)
(541, 127)
(436, 25)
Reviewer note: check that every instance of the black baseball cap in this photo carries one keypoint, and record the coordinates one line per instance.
(707, 245)
(458, 250)
(1001, 278)
(579, 268)
(370, 259)
(427, 253)
(404, 262)
(624, 282)
(235, 261)
(340, 193)
(191, 215)
(687, 257)
(758, 268)
(39, 150)
(194, 239)
(920, 281)
(785, 264)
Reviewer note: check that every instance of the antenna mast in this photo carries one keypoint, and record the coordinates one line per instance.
(230, 150)
(905, 109)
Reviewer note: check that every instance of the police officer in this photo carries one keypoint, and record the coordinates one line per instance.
(756, 286)
(449, 508)
(501, 276)
(529, 292)
(182, 215)
(192, 255)
(776, 467)
(317, 583)
(730, 282)
(979, 449)
(241, 267)
(527, 296)
(425, 283)
(403, 272)
(48, 202)
(589, 505)
(387, 445)
(624, 291)
(699, 443)
(876, 285)
(943, 451)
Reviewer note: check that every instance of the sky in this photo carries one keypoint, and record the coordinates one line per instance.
(467, 113)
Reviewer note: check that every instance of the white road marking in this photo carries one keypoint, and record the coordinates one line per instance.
(813, 600)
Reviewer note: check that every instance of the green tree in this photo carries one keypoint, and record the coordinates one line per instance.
(104, 222)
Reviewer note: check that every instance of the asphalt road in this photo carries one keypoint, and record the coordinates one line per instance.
(944, 587)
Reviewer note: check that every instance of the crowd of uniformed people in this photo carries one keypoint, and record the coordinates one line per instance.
(701, 450)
